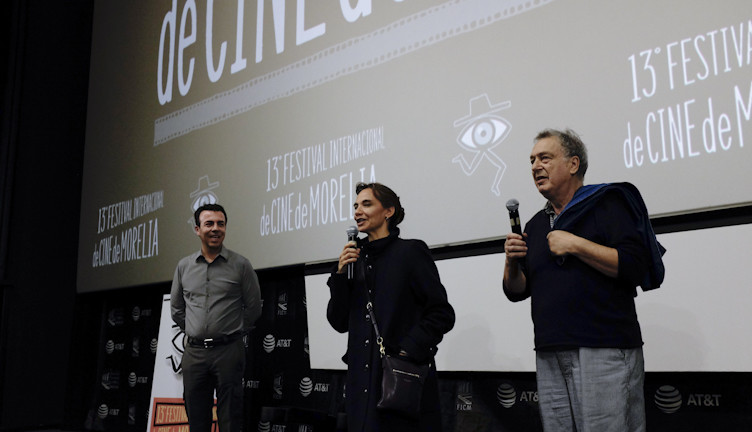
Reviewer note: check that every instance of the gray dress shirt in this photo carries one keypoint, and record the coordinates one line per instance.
(211, 300)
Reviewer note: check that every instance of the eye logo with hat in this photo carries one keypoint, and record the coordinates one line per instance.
(483, 130)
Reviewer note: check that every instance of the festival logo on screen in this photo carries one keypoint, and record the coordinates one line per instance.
(204, 194)
(126, 235)
(483, 130)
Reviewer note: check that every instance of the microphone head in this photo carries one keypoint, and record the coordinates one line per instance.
(352, 231)
(513, 204)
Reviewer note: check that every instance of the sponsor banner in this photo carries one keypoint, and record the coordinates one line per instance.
(167, 407)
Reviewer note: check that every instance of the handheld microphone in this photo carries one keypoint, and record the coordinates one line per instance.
(352, 234)
(514, 215)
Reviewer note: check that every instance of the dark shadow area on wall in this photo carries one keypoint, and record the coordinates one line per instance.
(46, 49)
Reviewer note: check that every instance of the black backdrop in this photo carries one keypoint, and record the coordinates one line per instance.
(52, 341)
(283, 393)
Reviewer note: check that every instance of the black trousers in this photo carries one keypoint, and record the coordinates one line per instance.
(205, 370)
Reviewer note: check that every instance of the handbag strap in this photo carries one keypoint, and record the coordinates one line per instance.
(369, 308)
(379, 339)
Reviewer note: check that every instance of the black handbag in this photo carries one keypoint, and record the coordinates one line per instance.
(401, 380)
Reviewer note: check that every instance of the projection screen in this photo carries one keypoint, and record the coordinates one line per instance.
(685, 323)
(276, 108)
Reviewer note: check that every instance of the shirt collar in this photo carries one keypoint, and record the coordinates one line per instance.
(549, 210)
(224, 253)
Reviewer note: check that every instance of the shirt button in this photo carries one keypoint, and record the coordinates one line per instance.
(368, 317)
(367, 342)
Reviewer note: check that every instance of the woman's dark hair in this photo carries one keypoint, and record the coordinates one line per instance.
(208, 207)
(387, 198)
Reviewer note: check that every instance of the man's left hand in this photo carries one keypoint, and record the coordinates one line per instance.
(561, 242)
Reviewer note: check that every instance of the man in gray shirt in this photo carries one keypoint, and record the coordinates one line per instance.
(215, 299)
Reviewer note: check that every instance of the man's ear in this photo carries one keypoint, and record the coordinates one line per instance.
(574, 165)
(196, 229)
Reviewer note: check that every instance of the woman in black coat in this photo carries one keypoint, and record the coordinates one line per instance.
(410, 305)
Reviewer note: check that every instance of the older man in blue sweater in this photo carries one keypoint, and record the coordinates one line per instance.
(580, 260)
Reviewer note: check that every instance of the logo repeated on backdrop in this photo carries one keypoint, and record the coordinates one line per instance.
(115, 317)
(307, 386)
(111, 379)
(464, 396)
(135, 346)
(506, 395)
(131, 414)
(482, 131)
(136, 313)
(282, 304)
(269, 343)
(251, 384)
(134, 379)
(265, 426)
(112, 346)
(284, 343)
(704, 400)
(105, 411)
(102, 411)
(668, 399)
(277, 392)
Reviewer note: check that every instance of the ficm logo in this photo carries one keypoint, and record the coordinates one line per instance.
(269, 343)
(668, 399)
(282, 304)
(136, 313)
(306, 386)
(277, 386)
(506, 395)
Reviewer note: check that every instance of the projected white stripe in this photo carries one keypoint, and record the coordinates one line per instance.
(402, 37)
